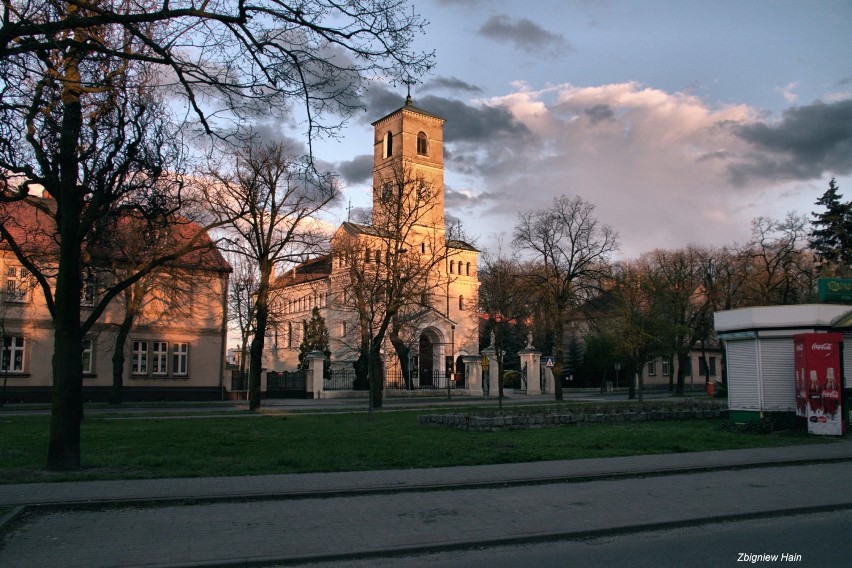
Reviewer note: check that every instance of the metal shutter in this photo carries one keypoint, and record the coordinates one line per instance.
(778, 374)
(743, 393)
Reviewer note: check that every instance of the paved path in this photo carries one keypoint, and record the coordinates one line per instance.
(286, 518)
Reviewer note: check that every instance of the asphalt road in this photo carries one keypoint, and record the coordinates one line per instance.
(816, 540)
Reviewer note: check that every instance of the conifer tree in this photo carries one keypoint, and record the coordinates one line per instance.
(315, 338)
(831, 235)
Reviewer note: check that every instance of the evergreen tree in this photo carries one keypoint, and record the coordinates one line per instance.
(831, 236)
(315, 338)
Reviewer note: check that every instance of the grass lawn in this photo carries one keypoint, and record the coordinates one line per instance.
(240, 444)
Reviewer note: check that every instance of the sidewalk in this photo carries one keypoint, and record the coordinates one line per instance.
(288, 518)
(330, 484)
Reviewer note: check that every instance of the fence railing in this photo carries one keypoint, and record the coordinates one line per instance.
(343, 380)
(347, 380)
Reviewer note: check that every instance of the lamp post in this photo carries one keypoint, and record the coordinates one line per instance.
(451, 359)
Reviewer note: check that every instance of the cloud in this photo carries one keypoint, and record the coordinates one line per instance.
(656, 164)
(787, 92)
(452, 84)
(806, 143)
(525, 34)
(357, 170)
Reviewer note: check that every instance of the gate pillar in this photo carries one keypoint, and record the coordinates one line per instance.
(473, 370)
(490, 354)
(314, 375)
(531, 359)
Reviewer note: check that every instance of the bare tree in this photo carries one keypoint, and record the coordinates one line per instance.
(272, 199)
(574, 248)
(504, 299)
(83, 85)
(677, 281)
(781, 269)
(242, 287)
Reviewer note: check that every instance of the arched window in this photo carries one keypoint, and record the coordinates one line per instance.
(461, 302)
(452, 266)
(422, 144)
(388, 145)
(467, 269)
(367, 255)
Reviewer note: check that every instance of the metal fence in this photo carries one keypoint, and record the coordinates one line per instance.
(395, 380)
(347, 380)
(343, 380)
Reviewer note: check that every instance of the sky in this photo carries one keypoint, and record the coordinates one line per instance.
(681, 121)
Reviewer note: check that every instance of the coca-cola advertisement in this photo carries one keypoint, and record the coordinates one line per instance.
(818, 380)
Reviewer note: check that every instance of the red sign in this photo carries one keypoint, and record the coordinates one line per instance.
(817, 362)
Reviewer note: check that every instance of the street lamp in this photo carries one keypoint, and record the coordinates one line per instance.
(451, 374)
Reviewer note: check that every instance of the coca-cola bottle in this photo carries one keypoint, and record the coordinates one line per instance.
(801, 394)
(814, 393)
(830, 394)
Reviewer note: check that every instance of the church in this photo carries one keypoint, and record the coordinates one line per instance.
(403, 261)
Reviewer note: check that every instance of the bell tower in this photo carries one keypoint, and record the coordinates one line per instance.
(408, 167)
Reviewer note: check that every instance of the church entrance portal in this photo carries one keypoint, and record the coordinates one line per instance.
(425, 361)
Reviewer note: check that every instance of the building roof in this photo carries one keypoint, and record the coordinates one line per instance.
(408, 106)
(309, 271)
(32, 226)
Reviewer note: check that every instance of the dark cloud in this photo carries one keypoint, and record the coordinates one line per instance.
(450, 84)
(357, 170)
(599, 113)
(472, 123)
(805, 144)
(525, 34)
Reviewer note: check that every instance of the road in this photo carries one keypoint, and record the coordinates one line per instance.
(816, 540)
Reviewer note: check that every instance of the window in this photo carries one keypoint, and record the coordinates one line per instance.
(452, 266)
(702, 366)
(87, 296)
(387, 192)
(388, 145)
(88, 360)
(289, 334)
(666, 371)
(367, 255)
(13, 354)
(17, 283)
(180, 358)
(652, 368)
(159, 357)
(467, 269)
(343, 329)
(461, 302)
(139, 360)
(422, 144)
(422, 248)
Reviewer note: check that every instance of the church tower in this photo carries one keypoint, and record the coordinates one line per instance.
(408, 159)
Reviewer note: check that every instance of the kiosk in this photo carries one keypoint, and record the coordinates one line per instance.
(760, 355)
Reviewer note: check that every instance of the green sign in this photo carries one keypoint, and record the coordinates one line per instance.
(835, 290)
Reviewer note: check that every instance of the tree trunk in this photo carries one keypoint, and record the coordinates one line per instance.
(403, 351)
(558, 352)
(681, 368)
(118, 357)
(261, 313)
(631, 381)
(63, 452)
(376, 374)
